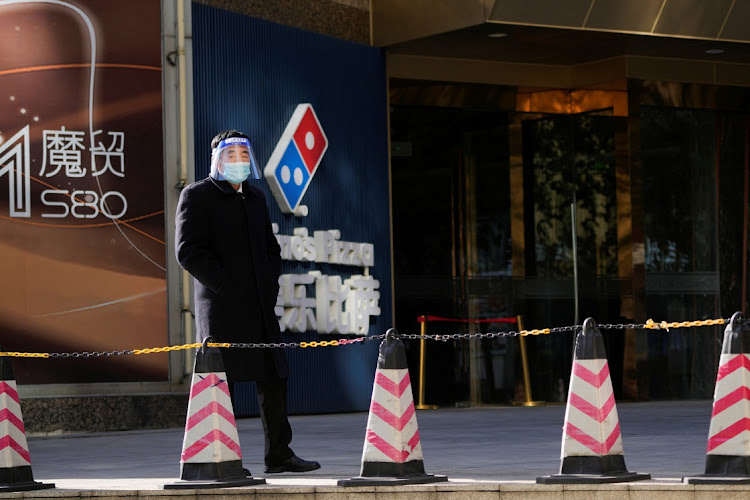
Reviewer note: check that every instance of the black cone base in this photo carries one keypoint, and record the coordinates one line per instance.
(391, 481)
(592, 478)
(229, 474)
(224, 483)
(716, 479)
(593, 470)
(723, 469)
(25, 486)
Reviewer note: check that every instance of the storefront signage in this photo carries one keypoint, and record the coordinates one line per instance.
(340, 305)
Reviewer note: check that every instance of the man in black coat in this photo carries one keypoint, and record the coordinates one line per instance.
(223, 238)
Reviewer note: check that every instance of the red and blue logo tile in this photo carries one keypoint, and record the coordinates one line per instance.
(296, 158)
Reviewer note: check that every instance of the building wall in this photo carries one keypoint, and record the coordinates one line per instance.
(344, 19)
(346, 85)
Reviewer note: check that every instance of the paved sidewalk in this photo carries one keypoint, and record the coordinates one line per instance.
(486, 444)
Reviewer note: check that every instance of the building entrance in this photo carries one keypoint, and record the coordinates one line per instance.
(484, 205)
(621, 205)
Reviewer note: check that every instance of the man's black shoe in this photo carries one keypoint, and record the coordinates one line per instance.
(293, 464)
(247, 472)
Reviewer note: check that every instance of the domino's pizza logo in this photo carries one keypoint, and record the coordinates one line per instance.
(295, 159)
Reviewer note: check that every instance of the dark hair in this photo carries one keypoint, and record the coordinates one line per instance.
(226, 135)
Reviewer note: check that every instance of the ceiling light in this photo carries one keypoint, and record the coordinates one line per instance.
(497, 35)
(715, 51)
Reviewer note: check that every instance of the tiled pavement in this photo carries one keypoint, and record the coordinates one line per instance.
(485, 444)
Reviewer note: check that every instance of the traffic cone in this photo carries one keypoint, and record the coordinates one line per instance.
(211, 455)
(15, 462)
(728, 450)
(392, 452)
(592, 450)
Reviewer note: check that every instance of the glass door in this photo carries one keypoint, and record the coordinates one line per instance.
(570, 224)
(452, 246)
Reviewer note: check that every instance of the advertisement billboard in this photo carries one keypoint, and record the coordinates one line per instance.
(82, 235)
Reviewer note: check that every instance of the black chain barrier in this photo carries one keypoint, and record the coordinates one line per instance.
(650, 325)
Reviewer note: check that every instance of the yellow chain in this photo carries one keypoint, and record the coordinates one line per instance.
(25, 354)
(151, 350)
(324, 343)
(652, 325)
(543, 331)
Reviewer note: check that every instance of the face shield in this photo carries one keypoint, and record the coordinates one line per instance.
(233, 160)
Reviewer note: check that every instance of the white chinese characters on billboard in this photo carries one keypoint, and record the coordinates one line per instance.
(62, 156)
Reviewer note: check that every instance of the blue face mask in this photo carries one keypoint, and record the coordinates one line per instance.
(236, 172)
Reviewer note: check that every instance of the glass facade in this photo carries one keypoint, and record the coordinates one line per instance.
(556, 217)
(681, 246)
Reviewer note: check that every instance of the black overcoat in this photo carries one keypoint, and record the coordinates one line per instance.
(224, 240)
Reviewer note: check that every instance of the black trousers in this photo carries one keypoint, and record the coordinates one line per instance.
(271, 393)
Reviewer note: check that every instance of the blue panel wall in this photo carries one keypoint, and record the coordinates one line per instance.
(250, 74)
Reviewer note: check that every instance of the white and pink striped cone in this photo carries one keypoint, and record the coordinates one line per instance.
(728, 449)
(15, 461)
(592, 449)
(392, 451)
(211, 454)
